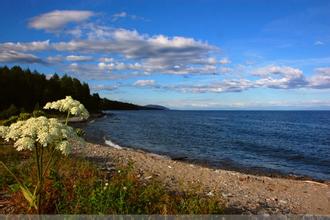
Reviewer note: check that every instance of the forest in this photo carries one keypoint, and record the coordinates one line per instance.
(23, 90)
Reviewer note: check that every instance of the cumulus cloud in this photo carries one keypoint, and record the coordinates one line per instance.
(28, 46)
(56, 20)
(144, 83)
(159, 53)
(321, 78)
(282, 77)
(17, 57)
(76, 58)
(154, 54)
(276, 77)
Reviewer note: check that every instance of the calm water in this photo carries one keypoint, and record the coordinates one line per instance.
(289, 142)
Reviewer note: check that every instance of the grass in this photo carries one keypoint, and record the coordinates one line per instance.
(76, 186)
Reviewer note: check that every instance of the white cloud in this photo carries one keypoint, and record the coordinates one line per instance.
(55, 20)
(124, 14)
(216, 87)
(104, 87)
(76, 58)
(106, 59)
(154, 54)
(318, 43)
(321, 78)
(17, 57)
(55, 59)
(143, 83)
(162, 54)
(119, 15)
(282, 77)
(28, 46)
(224, 60)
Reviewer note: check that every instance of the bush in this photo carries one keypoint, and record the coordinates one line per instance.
(80, 132)
(24, 116)
(38, 113)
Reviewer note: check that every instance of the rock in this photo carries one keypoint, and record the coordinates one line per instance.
(227, 194)
(282, 201)
(262, 212)
(210, 194)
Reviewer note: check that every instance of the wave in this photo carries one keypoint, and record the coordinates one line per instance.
(92, 121)
(111, 144)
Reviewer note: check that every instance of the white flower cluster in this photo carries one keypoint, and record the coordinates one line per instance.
(70, 105)
(41, 130)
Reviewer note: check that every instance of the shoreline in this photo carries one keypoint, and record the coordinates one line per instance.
(257, 171)
(243, 193)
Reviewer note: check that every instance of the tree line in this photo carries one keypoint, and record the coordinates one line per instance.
(25, 90)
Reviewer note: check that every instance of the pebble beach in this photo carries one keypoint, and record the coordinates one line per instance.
(242, 193)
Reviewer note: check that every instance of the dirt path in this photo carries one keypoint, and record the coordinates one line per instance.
(243, 193)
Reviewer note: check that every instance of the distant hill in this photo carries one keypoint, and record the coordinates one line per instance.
(156, 107)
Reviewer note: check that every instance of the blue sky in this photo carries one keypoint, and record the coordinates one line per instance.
(181, 54)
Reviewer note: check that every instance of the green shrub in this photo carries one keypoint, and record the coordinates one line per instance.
(38, 113)
(24, 116)
(80, 132)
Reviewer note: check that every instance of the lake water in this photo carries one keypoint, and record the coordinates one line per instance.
(287, 142)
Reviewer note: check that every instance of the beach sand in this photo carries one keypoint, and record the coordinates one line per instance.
(242, 193)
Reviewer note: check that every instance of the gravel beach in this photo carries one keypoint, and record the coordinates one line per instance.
(242, 193)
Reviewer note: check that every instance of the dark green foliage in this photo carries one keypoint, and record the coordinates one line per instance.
(10, 111)
(10, 120)
(80, 132)
(24, 116)
(29, 91)
(37, 113)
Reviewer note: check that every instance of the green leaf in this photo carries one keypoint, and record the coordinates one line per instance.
(14, 187)
(28, 196)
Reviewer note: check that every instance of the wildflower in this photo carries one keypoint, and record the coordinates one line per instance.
(124, 188)
(43, 131)
(3, 130)
(69, 105)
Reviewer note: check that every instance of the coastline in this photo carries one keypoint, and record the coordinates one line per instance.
(243, 193)
(257, 171)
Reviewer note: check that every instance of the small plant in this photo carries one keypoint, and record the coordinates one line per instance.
(38, 113)
(24, 116)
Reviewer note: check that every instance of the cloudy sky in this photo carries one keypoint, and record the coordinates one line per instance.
(201, 54)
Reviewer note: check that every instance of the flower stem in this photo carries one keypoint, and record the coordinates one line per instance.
(67, 118)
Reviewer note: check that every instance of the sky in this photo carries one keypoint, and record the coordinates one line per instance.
(198, 54)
